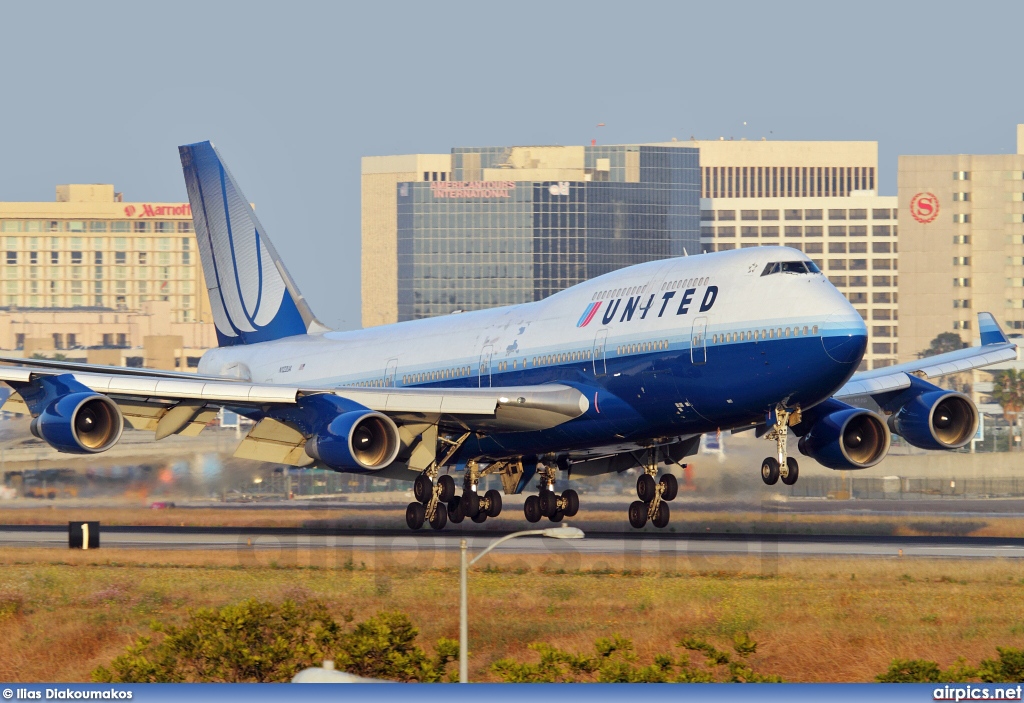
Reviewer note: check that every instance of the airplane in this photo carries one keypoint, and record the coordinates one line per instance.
(623, 371)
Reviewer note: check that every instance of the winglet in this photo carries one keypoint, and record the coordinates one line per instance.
(990, 330)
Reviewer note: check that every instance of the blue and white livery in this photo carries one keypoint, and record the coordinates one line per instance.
(625, 370)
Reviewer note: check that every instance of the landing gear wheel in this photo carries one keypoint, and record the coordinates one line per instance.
(414, 515)
(572, 502)
(662, 515)
(423, 488)
(493, 503)
(447, 484)
(548, 503)
(557, 516)
(646, 488)
(480, 516)
(455, 510)
(638, 514)
(531, 509)
(794, 471)
(470, 504)
(671, 487)
(770, 471)
(440, 518)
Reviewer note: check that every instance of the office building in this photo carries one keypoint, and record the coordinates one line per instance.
(77, 270)
(821, 198)
(482, 227)
(962, 240)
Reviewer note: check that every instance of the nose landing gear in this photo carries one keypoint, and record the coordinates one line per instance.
(654, 496)
(785, 467)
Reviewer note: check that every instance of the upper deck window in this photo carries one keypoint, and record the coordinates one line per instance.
(790, 267)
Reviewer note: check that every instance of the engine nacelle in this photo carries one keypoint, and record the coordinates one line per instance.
(848, 438)
(937, 419)
(80, 423)
(356, 441)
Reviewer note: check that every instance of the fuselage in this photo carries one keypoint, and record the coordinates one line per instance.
(666, 348)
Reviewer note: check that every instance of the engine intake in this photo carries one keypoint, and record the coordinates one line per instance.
(848, 438)
(356, 440)
(80, 423)
(936, 419)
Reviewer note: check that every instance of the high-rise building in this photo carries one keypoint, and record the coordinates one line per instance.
(96, 260)
(961, 223)
(496, 226)
(821, 198)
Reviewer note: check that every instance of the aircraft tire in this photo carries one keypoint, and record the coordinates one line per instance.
(572, 502)
(440, 518)
(414, 515)
(531, 509)
(661, 517)
(637, 514)
(646, 488)
(422, 488)
(455, 510)
(794, 471)
(557, 516)
(494, 502)
(447, 484)
(770, 471)
(481, 516)
(470, 504)
(548, 502)
(671, 484)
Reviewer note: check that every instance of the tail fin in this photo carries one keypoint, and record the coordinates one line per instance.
(252, 296)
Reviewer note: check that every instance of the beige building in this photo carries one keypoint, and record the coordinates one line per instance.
(961, 223)
(90, 270)
(853, 241)
(379, 264)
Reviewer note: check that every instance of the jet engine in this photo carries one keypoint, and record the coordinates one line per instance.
(356, 441)
(935, 418)
(80, 423)
(845, 438)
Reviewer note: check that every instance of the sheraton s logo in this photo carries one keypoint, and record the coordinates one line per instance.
(924, 207)
(632, 306)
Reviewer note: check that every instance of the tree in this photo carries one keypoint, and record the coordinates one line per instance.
(945, 342)
(1008, 391)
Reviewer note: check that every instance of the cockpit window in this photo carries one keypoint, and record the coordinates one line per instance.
(790, 267)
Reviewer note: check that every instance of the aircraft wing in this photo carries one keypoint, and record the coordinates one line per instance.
(148, 399)
(995, 348)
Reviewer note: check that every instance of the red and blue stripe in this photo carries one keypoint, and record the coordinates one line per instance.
(588, 314)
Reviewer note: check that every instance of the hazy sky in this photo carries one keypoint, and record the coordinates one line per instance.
(294, 93)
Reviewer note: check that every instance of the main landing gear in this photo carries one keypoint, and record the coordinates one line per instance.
(653, 495)
(547, 503)
(433, 492)
(785, 467)
(471, 504)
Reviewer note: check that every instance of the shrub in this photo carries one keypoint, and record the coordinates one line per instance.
(255, 641)
(1009, 668)
(910, 671)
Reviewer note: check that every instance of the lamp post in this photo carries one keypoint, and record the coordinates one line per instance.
(563, 532)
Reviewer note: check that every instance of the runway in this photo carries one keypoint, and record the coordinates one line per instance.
(650, 544)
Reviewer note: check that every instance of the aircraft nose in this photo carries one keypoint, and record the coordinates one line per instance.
(844, 339)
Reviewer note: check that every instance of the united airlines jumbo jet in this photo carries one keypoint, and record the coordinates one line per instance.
(626, 370)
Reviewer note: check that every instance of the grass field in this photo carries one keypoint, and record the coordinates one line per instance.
(64, 613)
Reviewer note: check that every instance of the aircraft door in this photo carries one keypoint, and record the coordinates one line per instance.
(600, 341)
(484, 376)
(389, 373)
(698, 347)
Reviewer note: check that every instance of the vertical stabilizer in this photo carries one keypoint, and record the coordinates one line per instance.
(252, 296)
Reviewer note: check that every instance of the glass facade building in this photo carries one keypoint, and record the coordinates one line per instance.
(481, 236)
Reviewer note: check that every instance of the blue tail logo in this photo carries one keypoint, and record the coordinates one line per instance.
(252, 296)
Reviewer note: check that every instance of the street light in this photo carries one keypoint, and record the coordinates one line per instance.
(563, 532)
